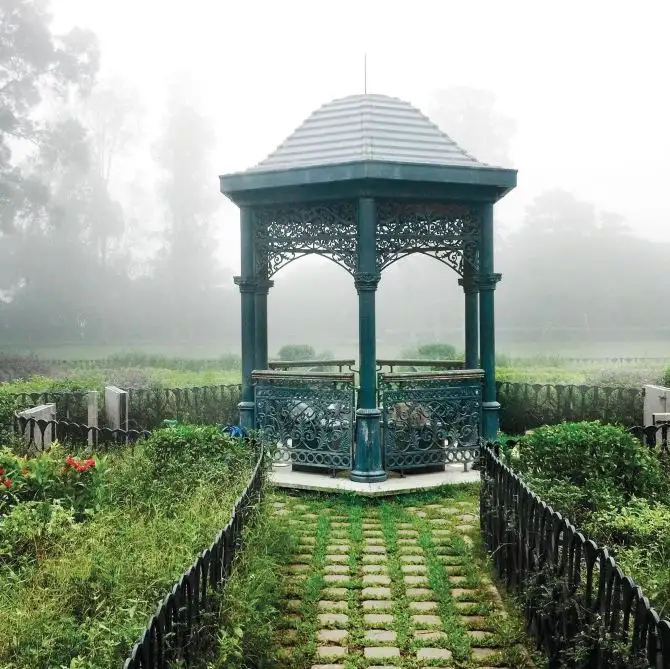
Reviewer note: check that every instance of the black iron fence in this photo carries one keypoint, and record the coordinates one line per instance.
(523, 405)
(581, 608)
(654, 436)
(177, 631)
(149, 407)
(528, 405)
(71, 405)
(39, 434)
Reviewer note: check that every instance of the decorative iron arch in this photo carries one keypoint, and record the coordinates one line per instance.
(448, 232)
(284, 234)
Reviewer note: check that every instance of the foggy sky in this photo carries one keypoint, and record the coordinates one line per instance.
(585, 81)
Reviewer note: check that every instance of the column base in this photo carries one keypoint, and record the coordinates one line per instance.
(247, 415)
(368, 464)
(490, 420)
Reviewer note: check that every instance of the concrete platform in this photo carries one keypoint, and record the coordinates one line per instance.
(284, 477)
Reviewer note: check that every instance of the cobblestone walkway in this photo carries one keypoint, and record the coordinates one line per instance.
(377, 586)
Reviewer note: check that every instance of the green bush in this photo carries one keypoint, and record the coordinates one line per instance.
(431, 351)
(192, 450)
(54, 475)
(641, 522)
(666, 377)
(600, 460)
(297, 352)
(83, 593)
(436, 351)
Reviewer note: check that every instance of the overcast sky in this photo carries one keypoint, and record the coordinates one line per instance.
(587, 81)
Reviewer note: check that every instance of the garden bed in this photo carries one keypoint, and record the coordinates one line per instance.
(612, 487)
(90, 544)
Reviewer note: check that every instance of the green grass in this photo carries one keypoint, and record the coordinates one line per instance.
(88, 596)
(390, 521)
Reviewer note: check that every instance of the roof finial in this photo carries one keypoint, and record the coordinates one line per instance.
(365, 73)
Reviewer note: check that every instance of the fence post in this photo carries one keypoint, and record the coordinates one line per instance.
(92, 402)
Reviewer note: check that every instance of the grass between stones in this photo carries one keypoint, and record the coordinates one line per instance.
(399, 583)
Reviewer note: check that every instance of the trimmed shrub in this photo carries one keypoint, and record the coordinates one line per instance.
(296, 352)
(587, 466)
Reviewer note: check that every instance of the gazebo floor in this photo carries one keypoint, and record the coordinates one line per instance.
(284, 477)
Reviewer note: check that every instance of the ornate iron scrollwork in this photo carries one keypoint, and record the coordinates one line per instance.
(310, 419)
(431, 420)
(286, 233)
(445, 231)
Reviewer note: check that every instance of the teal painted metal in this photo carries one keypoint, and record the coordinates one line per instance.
(368, 459)
(364, 215)
(247, 283)
(309, 415)
(431, 418)
(496, 182)
(367, 451)
(261, 326)
(471, 293)
(486, 283)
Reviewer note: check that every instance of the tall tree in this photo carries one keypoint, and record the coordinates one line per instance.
(469, 117)
(32, 60)
(189, 270)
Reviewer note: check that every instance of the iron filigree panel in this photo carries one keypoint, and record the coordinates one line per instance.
(310, 419)
(286, 233)
(447, 232)
(430, 421)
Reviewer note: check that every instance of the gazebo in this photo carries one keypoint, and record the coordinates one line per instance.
(365, 181)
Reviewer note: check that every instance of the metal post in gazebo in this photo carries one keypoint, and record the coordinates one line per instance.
(367, 180)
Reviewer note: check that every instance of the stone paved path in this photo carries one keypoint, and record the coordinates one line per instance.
(376, 586)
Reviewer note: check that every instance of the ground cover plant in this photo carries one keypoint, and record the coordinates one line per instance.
(400, 582)
(612, 487)
(90, 544)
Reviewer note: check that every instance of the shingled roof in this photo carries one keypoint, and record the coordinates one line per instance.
(367, 128)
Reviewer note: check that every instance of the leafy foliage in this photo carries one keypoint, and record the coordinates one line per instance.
(296, 352)
(591, 456)
(78, 594)
(612, 486)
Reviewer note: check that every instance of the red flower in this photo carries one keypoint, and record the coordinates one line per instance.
(90, 462)
(8, 483)
(2, 471)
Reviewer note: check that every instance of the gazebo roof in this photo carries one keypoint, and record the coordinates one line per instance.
(366, 127)
(364, 137)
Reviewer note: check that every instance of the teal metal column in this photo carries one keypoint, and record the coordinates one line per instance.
(368, 464)
(262, 289)
(486, 282)
(471, 316)
(247, 281)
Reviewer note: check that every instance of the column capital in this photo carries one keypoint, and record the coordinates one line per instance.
(247, 284)
(469, 285)
(263, 286)
(366, 281)
(487, 281)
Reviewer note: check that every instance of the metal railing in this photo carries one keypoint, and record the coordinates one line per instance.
(39, 434)
(585, 594)
(313, 365)
(175, 633)
(528, 405)
(419, 363)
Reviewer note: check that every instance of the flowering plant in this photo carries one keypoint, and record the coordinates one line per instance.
(50, 476)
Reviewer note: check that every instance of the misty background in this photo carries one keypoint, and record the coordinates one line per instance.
(116, 119)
